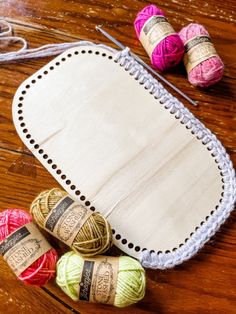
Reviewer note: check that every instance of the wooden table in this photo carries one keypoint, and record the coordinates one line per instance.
(205, 284)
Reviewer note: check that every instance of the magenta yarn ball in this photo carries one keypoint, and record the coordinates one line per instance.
(170, 50)
(209, 71)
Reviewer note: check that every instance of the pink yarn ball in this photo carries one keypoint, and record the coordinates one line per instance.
(169, 51)
(207, 72)
(44, 268)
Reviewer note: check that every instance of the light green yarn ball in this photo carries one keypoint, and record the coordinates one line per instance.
(131, 281)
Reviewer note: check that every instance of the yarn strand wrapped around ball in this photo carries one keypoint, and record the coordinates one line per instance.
(170, 50)
(94, 237)
(43, 269)
(131, 281)
(209, 71)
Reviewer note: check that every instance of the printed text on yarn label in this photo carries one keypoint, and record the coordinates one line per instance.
(23, 247)
(197, 50)
(66, 219)
(99, 279)
(155, 29)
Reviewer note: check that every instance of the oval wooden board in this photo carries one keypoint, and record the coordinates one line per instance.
(111, 144)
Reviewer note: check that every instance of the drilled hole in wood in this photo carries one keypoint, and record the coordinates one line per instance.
(118, 237)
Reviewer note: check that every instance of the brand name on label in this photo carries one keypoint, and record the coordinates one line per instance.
(154, 20)
(196, 41)
(13, 239)
(86, 281)
(57, 212)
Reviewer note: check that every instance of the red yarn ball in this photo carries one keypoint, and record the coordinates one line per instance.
(44, 268)
(170, 50)
(209, 71)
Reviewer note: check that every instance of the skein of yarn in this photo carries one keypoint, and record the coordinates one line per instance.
(127, 288)
(158, 38)
(14, 227)
(203, 65)
(83, 230)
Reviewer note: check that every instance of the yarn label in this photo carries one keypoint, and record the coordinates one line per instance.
(99, 280)
(66, 219)
(154, 30)
(197, 50)
(23, 247)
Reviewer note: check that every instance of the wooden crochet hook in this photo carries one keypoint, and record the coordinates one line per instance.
(120, 45)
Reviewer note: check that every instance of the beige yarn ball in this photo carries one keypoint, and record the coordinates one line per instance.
(95, 236)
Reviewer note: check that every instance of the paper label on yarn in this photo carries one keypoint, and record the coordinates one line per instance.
(155, 29)
(99, 280)
(66, 219)
(197, 50)
(23, 247)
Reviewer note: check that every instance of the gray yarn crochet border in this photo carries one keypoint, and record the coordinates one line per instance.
(218, 217)
(205, 231)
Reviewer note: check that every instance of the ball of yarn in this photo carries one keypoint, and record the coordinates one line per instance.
(43, 269)
(131, 281)
(209, 71)
(95, 236)
(170, 50)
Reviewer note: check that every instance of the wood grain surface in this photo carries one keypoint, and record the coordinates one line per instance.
(205, 284)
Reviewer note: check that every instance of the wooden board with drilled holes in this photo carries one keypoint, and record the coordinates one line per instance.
(113, 146)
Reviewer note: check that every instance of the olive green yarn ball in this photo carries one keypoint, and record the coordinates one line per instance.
(131, 280)
(95, 235)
